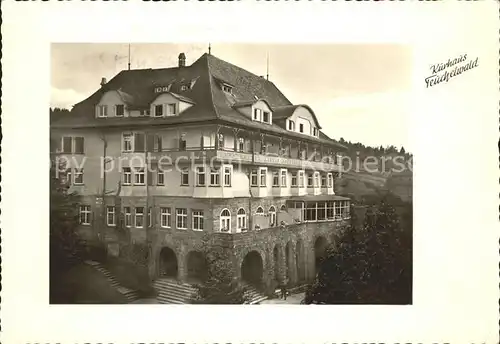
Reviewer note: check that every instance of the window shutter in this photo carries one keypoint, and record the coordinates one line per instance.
(159, 140)
(139, 142)
(79, 145)
(150, 143)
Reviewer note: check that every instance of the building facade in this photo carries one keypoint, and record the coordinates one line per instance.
(193, 158)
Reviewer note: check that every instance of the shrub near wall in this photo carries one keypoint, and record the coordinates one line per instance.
(131, 269)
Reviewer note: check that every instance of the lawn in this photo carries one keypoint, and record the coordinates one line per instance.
(82, 284)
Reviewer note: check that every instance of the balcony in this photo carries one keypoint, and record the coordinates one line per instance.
(199, 154)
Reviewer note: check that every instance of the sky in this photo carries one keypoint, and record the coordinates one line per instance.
(358, 92)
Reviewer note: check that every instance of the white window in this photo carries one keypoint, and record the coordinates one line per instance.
(301, 179)
(214, 177)
(263, 173)
(259, 211)
(197, 220)
(253, 178)
(110, 216)
(310, 180)
(283, 207)
(227, 88)
(160, 177)
(227, 176)
(158, 110)
(272, 216)
(330, 180)
(200, 176)
(241, 219)
(330, 211)
(266, 116)
(323, 181)
(102, 111)
(338, 211)
(78, 177)
(128, 142)
(276, 179)
(181, 218)
(139, 217)
(301, 127)
(315, 131)
(291, 125)
(119, 110)
(294, 179)
(316, 179)
(220, 138)
(171, 109)
(257, 115)
(166, 217)
(139, 176)
(128, 216)
(85, 214)
(241, 144)
(283, 178)
(150, 217)
(225, 221)
(127, 176)
(184, 177)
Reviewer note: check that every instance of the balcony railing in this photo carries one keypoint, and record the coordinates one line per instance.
(207, 153)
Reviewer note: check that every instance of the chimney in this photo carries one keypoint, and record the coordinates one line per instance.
(103, 82)
(182, 60)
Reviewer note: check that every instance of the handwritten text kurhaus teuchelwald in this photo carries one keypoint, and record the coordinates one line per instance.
(443, 72)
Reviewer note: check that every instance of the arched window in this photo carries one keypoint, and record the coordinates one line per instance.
(259, 211)
(283, 207)
(272, 216)
(225, 221)
(241, 219)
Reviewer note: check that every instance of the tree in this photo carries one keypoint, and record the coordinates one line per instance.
(220, 286)
(372, 265)
(66, 247)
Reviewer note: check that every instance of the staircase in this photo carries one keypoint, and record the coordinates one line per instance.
(174, 292)
(129, 294)
(252, 295)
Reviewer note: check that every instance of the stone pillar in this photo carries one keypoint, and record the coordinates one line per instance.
(153, 263)
(310, 261)
(181, 264)
(292, 278)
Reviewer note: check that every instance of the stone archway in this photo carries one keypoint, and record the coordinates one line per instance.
(300, 260)
(168, 263)
(252, 268)
(197, 270)
(320, 246)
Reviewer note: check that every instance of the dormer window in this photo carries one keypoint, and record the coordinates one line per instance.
(227, 88)
(257, 113)
(158, 110)
(184, 88)
(102, 111)
(291, 125)
(315, 131)
(266, 117)
(171, 109)
(301, 127)
(120, 110)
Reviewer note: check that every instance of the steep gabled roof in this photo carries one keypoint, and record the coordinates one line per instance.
(203, 78)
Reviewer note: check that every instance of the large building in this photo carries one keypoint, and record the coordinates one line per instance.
(190, 158)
